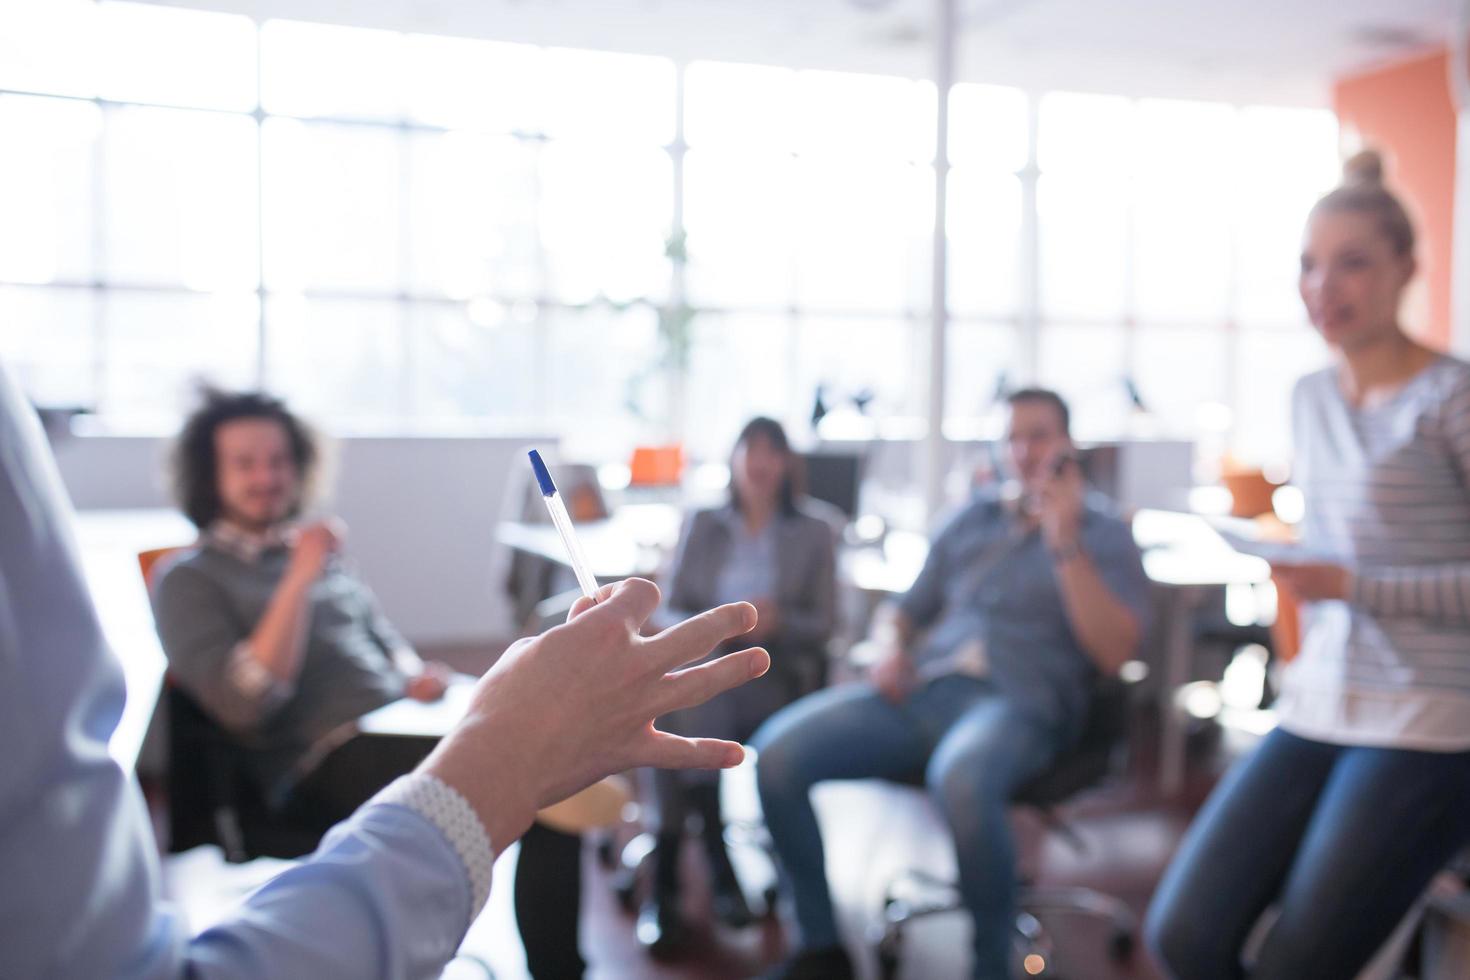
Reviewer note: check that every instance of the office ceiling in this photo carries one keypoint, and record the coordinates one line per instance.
(1274, 51)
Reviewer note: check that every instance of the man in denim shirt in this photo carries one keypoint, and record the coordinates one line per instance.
(1027, 594)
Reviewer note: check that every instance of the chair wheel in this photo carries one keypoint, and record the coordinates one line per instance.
(770, 896)
(1120, 947)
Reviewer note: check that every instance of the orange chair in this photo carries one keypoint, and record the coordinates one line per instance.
(656, 466)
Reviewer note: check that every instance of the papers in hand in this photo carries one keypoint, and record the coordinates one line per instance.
(1249, 538)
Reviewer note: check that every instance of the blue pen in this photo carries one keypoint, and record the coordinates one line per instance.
(563, 522)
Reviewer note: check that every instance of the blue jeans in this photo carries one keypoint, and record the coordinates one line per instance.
(1343, 839)
(969, 745)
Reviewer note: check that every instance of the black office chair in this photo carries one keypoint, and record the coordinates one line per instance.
(212, 798)
(915, 894)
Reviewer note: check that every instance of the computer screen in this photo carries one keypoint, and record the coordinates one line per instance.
(835, 478)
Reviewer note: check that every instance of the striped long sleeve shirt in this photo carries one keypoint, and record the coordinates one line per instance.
(1387, 492)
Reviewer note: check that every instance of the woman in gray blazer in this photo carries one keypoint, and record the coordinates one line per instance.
(774, 548)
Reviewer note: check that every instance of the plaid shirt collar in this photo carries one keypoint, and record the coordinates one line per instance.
(246, 545)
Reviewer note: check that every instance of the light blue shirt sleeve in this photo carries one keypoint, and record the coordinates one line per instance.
(388, 894)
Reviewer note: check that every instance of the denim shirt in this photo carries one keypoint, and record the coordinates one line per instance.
(990, 581)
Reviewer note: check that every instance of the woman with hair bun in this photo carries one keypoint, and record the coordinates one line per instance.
(1346, 811)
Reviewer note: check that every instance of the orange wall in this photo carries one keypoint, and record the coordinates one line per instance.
(1406, 113)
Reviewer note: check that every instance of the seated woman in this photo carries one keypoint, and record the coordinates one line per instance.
(1348, 808)
(769, 546)
(284, 648)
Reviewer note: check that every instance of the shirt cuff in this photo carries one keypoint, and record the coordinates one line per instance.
(442, 805)
(256, 684)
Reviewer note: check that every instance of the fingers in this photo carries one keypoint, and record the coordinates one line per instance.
(697, 685)
(698, 635)
(665, 751)
(632, 599)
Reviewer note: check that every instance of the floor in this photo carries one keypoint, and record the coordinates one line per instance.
(1127, 834)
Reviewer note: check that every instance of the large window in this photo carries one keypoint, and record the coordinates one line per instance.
(407, 231)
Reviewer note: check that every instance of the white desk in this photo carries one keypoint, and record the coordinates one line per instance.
(110, 541)
(633, 541)
(406, 718)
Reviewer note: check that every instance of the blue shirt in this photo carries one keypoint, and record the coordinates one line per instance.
(989, 580)
(386, 895)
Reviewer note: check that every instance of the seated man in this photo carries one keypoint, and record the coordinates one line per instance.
(1026, 595)
(283, 646)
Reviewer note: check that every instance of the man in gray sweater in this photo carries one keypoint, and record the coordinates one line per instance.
(285, 648)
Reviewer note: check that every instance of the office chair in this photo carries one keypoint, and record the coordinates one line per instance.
(914, 894)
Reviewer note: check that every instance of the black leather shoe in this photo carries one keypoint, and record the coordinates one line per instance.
(826, 963)
(729, 904)
(660, 930)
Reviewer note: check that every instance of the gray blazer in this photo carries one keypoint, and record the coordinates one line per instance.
(806, 573)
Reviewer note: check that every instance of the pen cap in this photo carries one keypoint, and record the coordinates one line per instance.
(543, 475)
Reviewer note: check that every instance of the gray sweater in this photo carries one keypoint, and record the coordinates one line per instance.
(208, 602)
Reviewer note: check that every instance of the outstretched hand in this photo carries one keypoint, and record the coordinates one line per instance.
(561, 710)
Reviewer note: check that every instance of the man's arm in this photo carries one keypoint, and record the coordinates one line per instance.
(278, 641)
(1107, 627)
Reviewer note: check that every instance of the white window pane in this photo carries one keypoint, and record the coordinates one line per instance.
(473, 225)
(607, 387)
(158, 54)
(739, 366)
(325, 70)
(863, 234)
(609, 96)
(1083, 230)
(738, 216)
(979, 357)
(984, 226)
(331, 206)
(1092, 133)
(605, 218)
(850, 356)
(49, 46)
(46, 188)
(1182, 244)
(160, 345)
(1182, 250)
(1178, 370)
(180, 201)
(745, 106)
(476, 361)
(988, 127)
(1267, 366)
(339, 361)
(873, 115)
(48, 339)
(468, 83)
(1085, 364)
(1287, 160)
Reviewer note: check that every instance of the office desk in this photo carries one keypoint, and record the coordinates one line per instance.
(109, 542)
(1187, 560)
(406, 718)
(633, 541)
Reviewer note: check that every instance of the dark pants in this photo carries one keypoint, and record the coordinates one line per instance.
(1343, 839)
(735, 715)
(548, 885)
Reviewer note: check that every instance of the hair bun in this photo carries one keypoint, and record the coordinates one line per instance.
(1364, 168)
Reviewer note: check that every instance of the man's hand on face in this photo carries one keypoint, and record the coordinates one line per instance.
(559, 711)
(1060, 504)
(315, 543)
